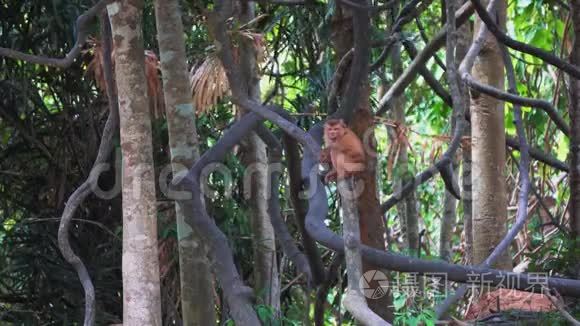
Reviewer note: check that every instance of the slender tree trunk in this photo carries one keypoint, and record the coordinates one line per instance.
(488, 151)
(450, 202)
(447, 222)
(197, 304)
(267, 280)
(371, 222)
(463, 43)
(407, 208)
(141, 289)
(574, 111)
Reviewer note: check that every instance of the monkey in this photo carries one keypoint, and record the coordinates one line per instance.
(344, 150)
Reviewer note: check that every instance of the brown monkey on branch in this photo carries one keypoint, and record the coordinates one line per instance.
(344, 151)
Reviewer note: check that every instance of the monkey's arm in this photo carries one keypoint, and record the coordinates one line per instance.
(325, 156)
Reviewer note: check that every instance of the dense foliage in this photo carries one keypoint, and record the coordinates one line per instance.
(51, 122)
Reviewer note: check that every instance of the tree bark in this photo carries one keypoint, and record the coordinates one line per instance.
(574, 111)
(141, 289)
(256, 178)
(450, 202)
(463, 43)
(407, 208)
(354, 301)
(488, 152)
(197, 304)
(371, 222)
(447, 223)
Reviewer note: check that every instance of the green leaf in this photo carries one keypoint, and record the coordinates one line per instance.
(399, 302)
(523, 3)
(542, 38)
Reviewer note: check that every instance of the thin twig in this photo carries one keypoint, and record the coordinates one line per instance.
(559, 304)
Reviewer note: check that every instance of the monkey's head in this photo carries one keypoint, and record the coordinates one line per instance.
(334, 129)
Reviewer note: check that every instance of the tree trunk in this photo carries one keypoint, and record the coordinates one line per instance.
(463, 43)
(371, 222)
(574, 111)
(407, 208)
(197, 304)
(266, 277)
(141, 289)
(447, 222)
(488, 152)
(256, 182)
(450, 202)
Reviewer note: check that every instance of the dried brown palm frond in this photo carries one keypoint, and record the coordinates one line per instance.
(95, 66)
(209, 84)
(154, 90)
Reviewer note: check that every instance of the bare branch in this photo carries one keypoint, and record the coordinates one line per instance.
(410, 11)
(426, 40)
(519, 100)
(334, 84)
(559, 304)
(539, 155)
(523, 47)
(284, 238)
(82, 24)
(354, 301)
(428, 76)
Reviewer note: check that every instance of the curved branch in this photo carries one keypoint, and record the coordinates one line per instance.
(334, 85)
(81, 193)
(284, 238)
(519, 100)
(239, 297)
(310, 248)
(82, 24)
(427, 75)
(411, 10)
(539, 155)
(523, 47)
(385, 52)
